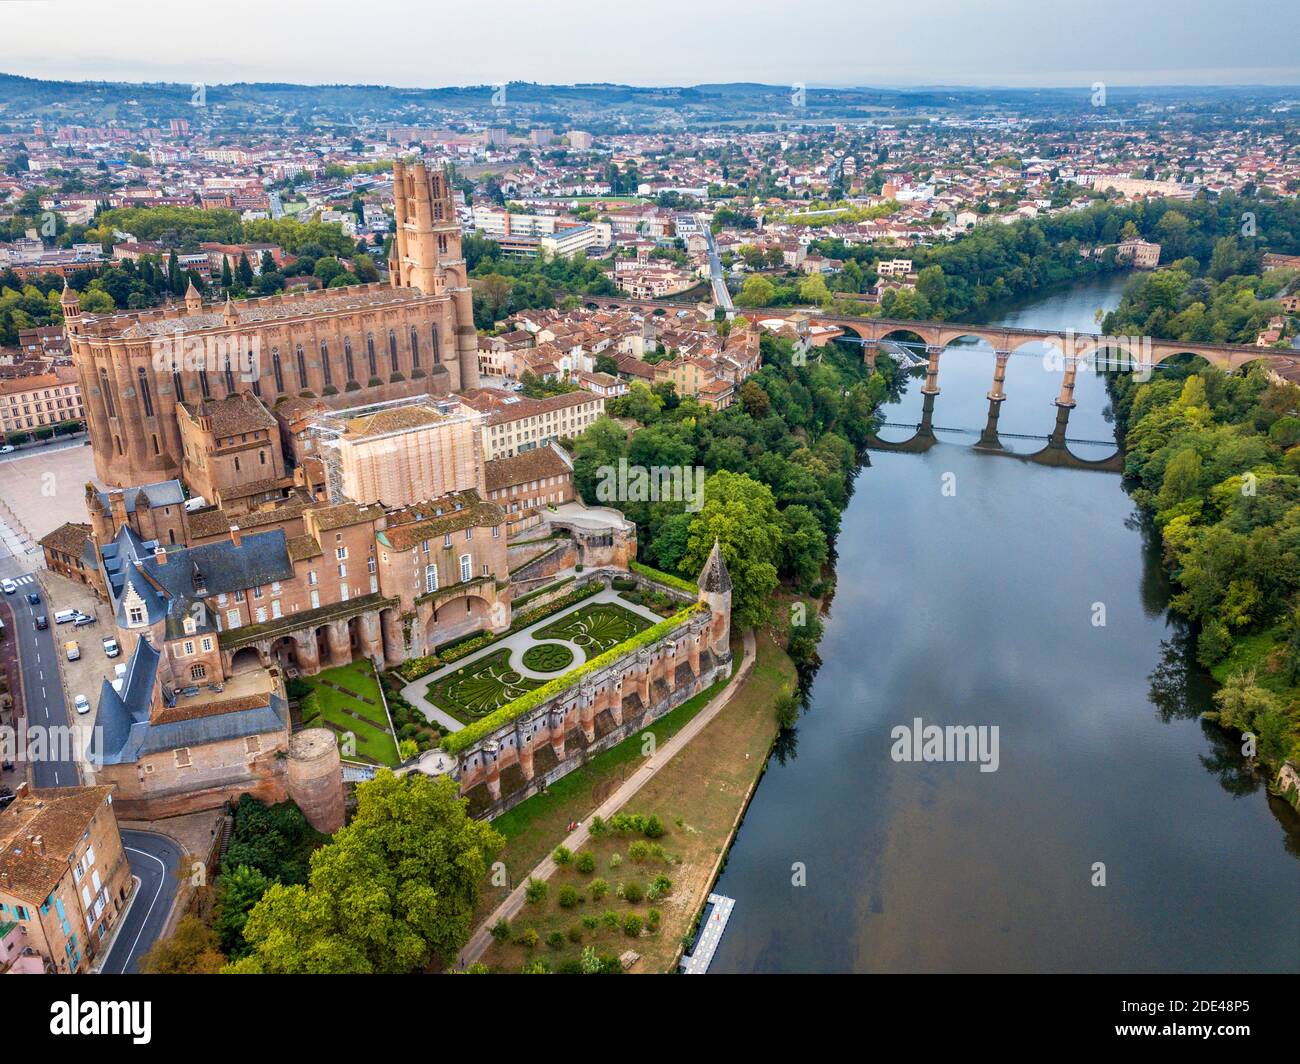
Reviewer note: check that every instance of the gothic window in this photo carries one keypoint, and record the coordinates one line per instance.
(108, 392)
(230, 376)
(325, 363)
(278, 369)
(302, 367)
(204, 386)
(146, 397)
(347, 357)
(392, 349)
(437, 351)
(415, 347)
(370, 354)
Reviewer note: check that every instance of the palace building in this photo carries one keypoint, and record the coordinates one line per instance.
(151, 380)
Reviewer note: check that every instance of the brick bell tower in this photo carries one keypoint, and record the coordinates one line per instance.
(427, 253)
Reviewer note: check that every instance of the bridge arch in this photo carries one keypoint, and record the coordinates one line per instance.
(1174, 358)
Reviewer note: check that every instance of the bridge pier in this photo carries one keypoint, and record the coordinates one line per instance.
(989, 437)
(999, 377)
(1066, 398)
(931, 385)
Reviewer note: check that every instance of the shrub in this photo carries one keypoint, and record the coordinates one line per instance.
(639, 851)
(591, 922)
(575, 933)
(555, 940)
(586, 862)
(631, 892)
(661, 887)
(569, 897)
(597, 828)
(528, 938)
(570, 966)
(652, 919)
(562, 856)
(654, 828)
(501, 930)
(615, 860)
(609, 918)
(536, 890)
(632, 925)
(599, 888)
(537, 967)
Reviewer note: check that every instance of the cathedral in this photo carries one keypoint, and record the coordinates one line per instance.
(144, 374)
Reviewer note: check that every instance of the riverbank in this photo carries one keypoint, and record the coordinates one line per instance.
(698, 797)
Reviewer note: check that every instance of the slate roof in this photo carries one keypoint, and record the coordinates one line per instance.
(714, 576)
(127, 734)
(163, 493)
(190, 574)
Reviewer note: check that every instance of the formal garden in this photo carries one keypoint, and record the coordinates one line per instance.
(595, 628)
(490, 681)
(484, 685)
(548, 657)
(347, 700)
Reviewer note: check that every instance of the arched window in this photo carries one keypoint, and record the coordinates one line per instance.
(230, 376)
(347, 357)
(204, 385)
(108, 392)
(370, 354)
(437, 348)
(177, 386)
(146, 397)
(325, 363)
(430, 578)
(415, 347)
(392, 349)
(251, 373)
(302, 366)
(277, 369)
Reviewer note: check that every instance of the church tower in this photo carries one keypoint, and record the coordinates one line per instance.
(427, 253)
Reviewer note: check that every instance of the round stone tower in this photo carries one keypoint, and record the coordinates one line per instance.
(316, 778)
(715, 592)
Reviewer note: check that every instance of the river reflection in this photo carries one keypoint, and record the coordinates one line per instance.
(975, 605)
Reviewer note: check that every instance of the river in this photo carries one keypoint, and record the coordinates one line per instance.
(968, 586)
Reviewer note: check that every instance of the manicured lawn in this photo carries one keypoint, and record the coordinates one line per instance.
(595, 628)
(349, 701)
(548, 657)
(480, 687)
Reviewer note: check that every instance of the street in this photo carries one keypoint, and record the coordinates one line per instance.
(154, 860)
(42, 686)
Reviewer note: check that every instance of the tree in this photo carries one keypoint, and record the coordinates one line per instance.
(395, 889)
(756, 292)
(192, 950)
(740, 514)
(238, 890)
(804, 549)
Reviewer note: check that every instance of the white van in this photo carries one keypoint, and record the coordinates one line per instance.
(64, 616)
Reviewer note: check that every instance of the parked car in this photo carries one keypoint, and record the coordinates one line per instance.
(72, 650)
(64, 616)
(81, 620)
(33, 598)
(111, 649)
(42, 623)
(8, 448)
(8, 586)
(82, 704)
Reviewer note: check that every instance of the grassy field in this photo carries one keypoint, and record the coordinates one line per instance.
(357, 708)
(696, 796)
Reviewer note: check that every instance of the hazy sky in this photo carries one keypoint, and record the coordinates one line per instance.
(663, 42)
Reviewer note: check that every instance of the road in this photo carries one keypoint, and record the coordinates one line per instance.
(508, 909)
(721, 296)
(154, 860)
(42, 685)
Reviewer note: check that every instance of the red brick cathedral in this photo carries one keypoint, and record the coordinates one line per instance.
(346, 346)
